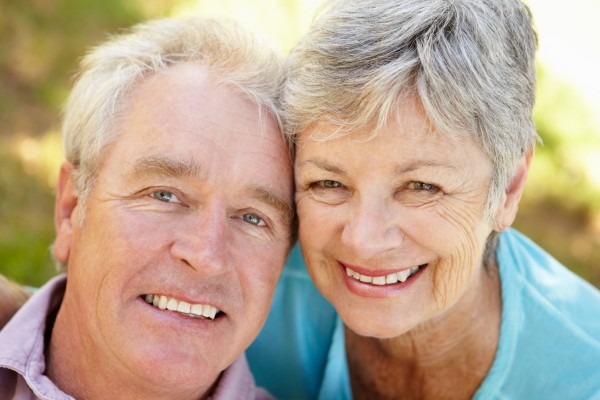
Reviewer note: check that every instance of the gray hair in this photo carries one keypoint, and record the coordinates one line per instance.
(471, 63)
(109, 73)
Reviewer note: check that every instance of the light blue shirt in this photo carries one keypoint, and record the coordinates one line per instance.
(549, 346)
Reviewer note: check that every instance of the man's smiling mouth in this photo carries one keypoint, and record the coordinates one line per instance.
(162, 302)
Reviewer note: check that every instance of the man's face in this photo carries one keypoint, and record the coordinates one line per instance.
(189, 211)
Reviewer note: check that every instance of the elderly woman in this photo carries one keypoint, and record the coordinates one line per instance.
(414, 134)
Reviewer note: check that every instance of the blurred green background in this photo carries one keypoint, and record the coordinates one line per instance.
(41, 42)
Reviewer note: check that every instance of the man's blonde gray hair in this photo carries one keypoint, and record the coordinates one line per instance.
(471, 63)
(109, 73)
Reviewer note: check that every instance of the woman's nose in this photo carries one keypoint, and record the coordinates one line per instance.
(371, 229)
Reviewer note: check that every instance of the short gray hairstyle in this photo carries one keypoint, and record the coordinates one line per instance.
(471, 63)
(110, 71)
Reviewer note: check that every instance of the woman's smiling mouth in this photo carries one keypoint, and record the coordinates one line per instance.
(382, 280)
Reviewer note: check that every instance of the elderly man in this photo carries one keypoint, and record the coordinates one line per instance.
(173, 217)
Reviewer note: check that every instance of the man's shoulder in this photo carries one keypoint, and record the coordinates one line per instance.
(22, 341)
(237, 382)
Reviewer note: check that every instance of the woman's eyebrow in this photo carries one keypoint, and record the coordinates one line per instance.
(165, 167)
(323, 164)
(404, 168)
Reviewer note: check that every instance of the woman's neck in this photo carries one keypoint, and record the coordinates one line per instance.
(447, 357)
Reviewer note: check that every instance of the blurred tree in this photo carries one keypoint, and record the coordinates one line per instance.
(27, 228)
(560, 209)
(41, 41)
(40, 44)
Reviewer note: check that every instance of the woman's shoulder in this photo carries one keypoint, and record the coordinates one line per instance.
(545, 281)
(549, 292)
(550, 330)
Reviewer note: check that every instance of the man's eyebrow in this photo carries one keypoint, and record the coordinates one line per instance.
(165, 167)
(283, 206)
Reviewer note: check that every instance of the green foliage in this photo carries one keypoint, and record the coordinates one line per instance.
(42, 40)
(560, 208)
(571, 138)
(27, 228)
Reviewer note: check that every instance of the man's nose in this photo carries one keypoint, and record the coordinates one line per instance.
(203, 242)
(371, 229)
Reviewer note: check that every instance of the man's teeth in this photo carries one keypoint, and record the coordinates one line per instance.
(191, 310)
(390, 279)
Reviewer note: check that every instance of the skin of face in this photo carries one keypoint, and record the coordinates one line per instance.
(190, 202)
(408, 197)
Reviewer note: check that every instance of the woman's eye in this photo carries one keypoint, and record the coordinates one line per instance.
(422, 186)
(253, 219)
(165, 196)
(329, 184)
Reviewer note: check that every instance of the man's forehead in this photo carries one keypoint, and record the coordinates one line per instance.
(190, 93)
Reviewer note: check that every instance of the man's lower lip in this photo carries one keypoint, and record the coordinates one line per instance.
(378, 291)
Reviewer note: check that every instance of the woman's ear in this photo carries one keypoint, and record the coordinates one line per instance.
(66, 201)
(508, 207)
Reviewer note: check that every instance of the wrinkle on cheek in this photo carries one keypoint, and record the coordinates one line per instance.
(450, 277)
(328, 275)
(316, 256)
(312, 214)
(460, 211)
(299, 197)
(457, 266)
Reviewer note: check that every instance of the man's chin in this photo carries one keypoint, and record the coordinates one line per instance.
(176, 368)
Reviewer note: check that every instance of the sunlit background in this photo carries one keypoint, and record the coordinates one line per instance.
(41, 41)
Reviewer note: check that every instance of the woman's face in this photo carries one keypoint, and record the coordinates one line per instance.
(392, 228)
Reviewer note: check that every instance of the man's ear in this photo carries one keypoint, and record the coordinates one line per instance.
(508, 207)
(66, 201)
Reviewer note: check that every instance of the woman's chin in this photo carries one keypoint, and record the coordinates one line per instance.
(379, 328)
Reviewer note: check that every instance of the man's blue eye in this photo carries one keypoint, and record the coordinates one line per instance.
(165, 196)
(253, 219)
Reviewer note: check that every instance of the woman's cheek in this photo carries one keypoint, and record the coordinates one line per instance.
(456, 270)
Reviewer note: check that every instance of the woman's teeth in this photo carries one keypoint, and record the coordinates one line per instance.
(190, 310)
(390, 279)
